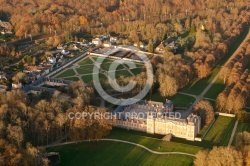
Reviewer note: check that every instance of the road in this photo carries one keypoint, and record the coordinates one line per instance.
(122, 141)
(232, 135)
(218, 74)
(201, 96)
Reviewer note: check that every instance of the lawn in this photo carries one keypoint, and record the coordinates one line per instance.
(198, 85)
(240, 128)
(89, 78)
(215, 89)
(86, 66)
(67, 73)
(87, 69)
(118, 73)
(179, 100)
(152, 141)
(72, 78)
(220, 132)
(106, 66)
(85, 61)
(114, 153)
(136, 71)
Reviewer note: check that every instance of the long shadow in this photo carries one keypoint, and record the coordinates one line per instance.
(198, 86)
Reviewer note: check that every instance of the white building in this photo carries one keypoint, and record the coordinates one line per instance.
(75, 47)
(97, 41)
(17, 85)
(113, 39)
(65, 52)
(106, 44)
(52, 60)
(157, 118)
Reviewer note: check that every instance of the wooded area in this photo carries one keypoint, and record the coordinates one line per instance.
(27, 121)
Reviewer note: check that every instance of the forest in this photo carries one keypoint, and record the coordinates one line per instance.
(204, 29)
(27, 122)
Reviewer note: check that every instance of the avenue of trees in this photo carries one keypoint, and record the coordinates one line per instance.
(236, 76)
(27, 121)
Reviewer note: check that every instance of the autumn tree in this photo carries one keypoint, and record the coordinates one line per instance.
(219, 156)
(205, 110)
(168, 85)
(150, 46)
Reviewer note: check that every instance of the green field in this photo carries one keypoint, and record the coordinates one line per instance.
(113, 153)
(67, 73)
(220, 132)
(88, 78)
(152, 141)
(198, 85)
(136, 71)
(106, 66)
(86, 61)
(218, 135)
(85, 70)
(179, 100)
(215, 89)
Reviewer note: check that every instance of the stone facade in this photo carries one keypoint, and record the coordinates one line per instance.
(158, 120)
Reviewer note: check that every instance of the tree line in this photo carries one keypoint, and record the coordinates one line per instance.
(30, 121)
(236, 76)
(237, 155)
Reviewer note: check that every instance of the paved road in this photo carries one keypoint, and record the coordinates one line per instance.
(232, 135)
(201, 96)
(218, 74)
(122, 141)
(187, 94)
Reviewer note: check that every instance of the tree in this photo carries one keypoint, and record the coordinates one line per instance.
(181, 41)
(219, 156)
(89, 127)
(19, 77)
(21, 30)
(192, 28)
(150, 46)
(83, 20)
(225, 71)
(201, 158)
(134, 36)
(242, 139)
(15, 133)
(221, 101)
(68, 37)
(243, 116)
(168, 85)
(205, 111)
